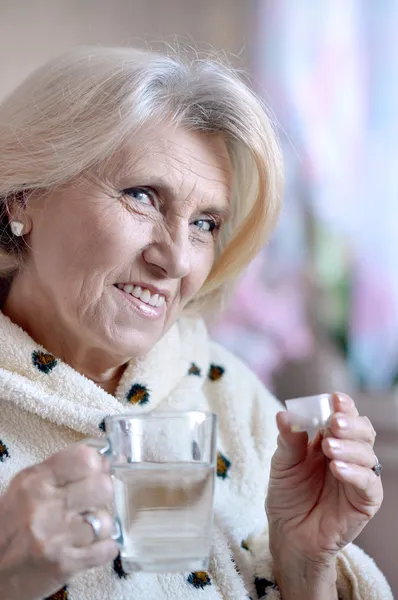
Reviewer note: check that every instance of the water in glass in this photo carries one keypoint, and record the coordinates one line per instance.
(165, 510)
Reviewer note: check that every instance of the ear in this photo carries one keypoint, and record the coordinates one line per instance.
(18, 216)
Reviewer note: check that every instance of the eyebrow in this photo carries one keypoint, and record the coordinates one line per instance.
(167, 191)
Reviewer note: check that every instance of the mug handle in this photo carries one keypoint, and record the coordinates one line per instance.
(104, 448)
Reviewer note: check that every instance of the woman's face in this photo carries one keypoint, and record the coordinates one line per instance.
(114, 258)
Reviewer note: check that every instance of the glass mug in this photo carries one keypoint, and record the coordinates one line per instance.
(163, 466)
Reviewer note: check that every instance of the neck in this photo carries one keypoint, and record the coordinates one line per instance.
(108, 381)
(48, 330)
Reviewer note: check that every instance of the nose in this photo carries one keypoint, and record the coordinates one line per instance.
(169, 254)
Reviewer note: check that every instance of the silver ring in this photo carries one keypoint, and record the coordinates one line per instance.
(95, 523)
(377, 469)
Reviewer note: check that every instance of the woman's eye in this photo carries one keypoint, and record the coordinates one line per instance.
(141, 195)
(207, 225)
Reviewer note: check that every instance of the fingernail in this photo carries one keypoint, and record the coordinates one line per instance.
(334, 443)
(342, 466)
(343, 398)
(342, 423)
(295, 428)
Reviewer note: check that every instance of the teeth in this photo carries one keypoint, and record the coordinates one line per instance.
(143, 294)
(154, 300)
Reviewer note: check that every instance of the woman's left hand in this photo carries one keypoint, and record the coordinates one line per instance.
(322, 493)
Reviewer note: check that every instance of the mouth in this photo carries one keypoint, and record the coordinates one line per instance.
(147, 303)
(143, 294)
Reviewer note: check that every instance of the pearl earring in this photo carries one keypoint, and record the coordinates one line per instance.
(17, 227)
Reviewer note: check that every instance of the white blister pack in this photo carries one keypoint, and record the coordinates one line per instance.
(309, 413)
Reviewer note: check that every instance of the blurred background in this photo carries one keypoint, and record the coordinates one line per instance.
(317, 311)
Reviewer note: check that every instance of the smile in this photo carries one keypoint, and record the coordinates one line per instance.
(143, 294)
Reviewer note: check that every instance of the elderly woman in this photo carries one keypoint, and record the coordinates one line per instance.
(134, 188)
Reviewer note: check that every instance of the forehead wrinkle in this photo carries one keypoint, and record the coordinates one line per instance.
(225, 171)
(196, 191)
(164, 159)
(187, 185)
(196, 183)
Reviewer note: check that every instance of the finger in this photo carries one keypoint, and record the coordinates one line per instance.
(342, 403)
(105, 464)
(94, 492)
(95, 555)
(316, 442)
(81, 533)
(73, 464)
(349, 451)
(355, 428)
(292, 446)
(367, 491)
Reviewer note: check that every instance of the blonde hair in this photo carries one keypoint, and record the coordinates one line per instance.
(78, 109)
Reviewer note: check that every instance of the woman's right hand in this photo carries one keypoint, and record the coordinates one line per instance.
(44, 540)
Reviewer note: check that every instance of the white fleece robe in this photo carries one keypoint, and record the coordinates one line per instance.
(45, 405)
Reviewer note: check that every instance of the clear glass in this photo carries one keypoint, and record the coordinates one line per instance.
(163, 466)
